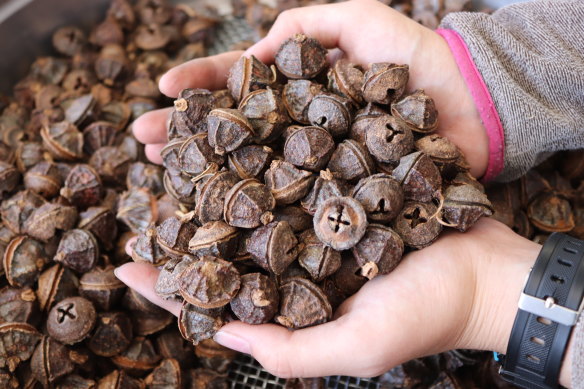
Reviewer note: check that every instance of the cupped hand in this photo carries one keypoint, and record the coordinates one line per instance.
(365, 31)
(461, 292)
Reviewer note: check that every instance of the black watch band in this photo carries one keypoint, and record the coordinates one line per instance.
(548, 310)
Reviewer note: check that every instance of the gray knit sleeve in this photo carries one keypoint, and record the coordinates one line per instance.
(578, 355)
(531, 58)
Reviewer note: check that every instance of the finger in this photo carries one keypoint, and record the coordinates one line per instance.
(152, 127)
(286, 353)
(153, 152)
(142, 277)
(206, 73)
(129, 245)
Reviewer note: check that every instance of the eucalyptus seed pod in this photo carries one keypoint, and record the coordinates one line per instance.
(146, 249)
(119, 379)
(112, 334)
(55, 284)
(223, 99)
(346, 79)
(112, 64)
(28, 154)
(418, 111)
(174, 234)
(215, 238)
(196, 324)
(388, 140)
(319, 260)
(139, 358)
(83, 186)
(248, 74)
(385, 82)
(301, 57)
(381, 196)
(248, 204)
(212, 190)
(464, 205)
(71, 320)
(228, 130)
(43, 178)
(195, 155)
(69, 40)
(440, 149)
(351, 161)
(257, 300)
(331, 112)
(418, 176)
(137, 209)
(167, 283)
(325, 187)
(379, 251)
(298, 219)
(102, 287)
(266, 113)
(297, 96)
(9, 178)
(551, 212)
(50, 361)
(340, 222)
(23, 261)
(170, 156)
(273, 246)
(417, 224)
(45, 220)
(80, 111)
(16, 210)
(145, 175)
(111, 163)
(309, 148)
(78, 250)
(363, 121)
(250, 161)
(19, 340)
(101, 222)
(180, 187)
(287, 183)
(19, 305)
(302, 304)
(99, 134)
(63, 141)
(167, 374)
(190, 111)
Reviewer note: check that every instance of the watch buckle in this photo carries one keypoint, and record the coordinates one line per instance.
(548, 309)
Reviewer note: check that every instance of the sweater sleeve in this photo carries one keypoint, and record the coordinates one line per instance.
(578, 355)
(530, 58)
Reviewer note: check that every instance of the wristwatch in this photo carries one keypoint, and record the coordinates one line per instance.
(549, 307)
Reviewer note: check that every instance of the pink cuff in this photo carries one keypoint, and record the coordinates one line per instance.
(483, 102)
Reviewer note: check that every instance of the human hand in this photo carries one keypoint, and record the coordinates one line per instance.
(366, 31)
(461, 292)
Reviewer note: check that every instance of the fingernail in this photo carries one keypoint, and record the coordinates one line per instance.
(116, 272)
(232, 341)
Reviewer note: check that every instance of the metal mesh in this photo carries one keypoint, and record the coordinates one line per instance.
(245, 373)
(229, 32)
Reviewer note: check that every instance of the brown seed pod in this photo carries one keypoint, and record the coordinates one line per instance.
(111, 163)
(385, 82)
(417, 224)
(309, 148)
(228, 130)
(112, 64)
(23, 261)
(119, 379)
(16, 210)
(19, 341)
(418, 111)
(18, 305)
(174, 234)
(78, 250)
(287, 183)
(50, 361)
(418, 176)
(363, 121)
(319, 260)
(301, 57)
(212, 190)
(83, 186)
(28, 154)
(195, 155)
(214, 356)
(351, 161)
(388, 140)
(80, 111)
(324, 187)
(63, 140)
(302, 304)
(180, 187)
(137, 209)
(145, 175)
(257, 300)
(146, 249)
(223, 99)
(248, 74)
(55, 284)
(379, 251)
(170, 156)
(190, 111)
(440, 149)
(210, 282)
(250, 161)
(551, 212)
(196, 324)
(101, 222)
(464, 205)
(43, 178)
(69, 40)
(331, 112)
(139, 358)
(99, 134)
(298, 219)
(71, 320)
(102, 287)
(346, 79)
(168, 279)
(273, 246)
(155, 36)
(340, 222)
(266, 113)
(9, 178)
(45, 220)
(297, 96)
(381, 196)
(215, 238)
(112, 335)
(166, 375)
(248, 204)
